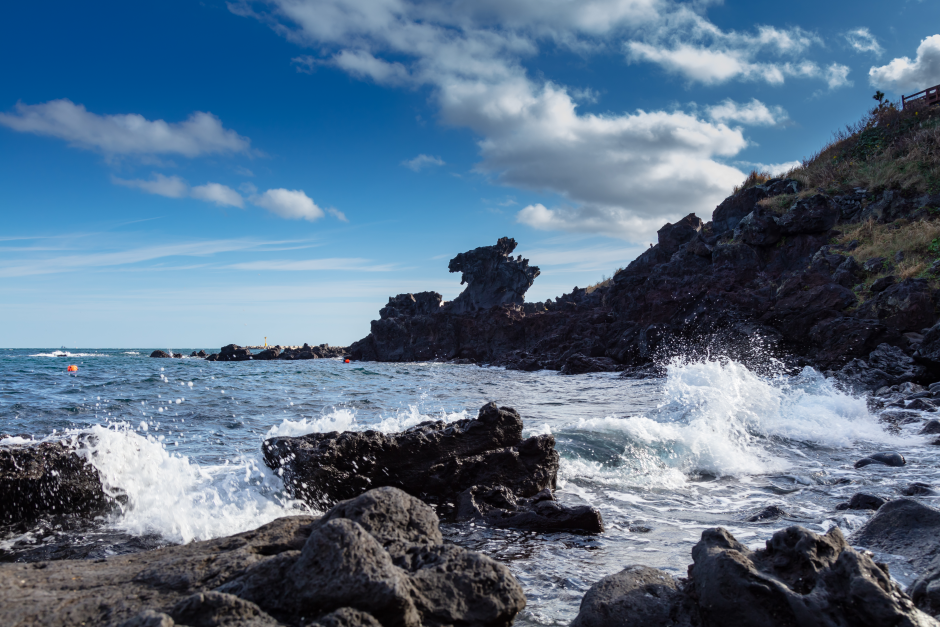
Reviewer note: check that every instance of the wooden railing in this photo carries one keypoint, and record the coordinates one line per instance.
(929, 96)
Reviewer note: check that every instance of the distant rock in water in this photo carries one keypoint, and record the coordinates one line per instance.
(161, 354)
(799, 579)
(47, 480)
(478, 468)
(376, 560)
(885, 459)
(862, 501)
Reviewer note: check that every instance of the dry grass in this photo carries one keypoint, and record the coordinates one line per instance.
(604, 282)
(919, 241)
(753, 179)
(887, 149)
(780, 204)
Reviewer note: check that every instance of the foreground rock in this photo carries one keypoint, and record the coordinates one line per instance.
(903, 527)
(376, 560)
(47, 480)
(498, 507)
(799, 579)
(435, 461)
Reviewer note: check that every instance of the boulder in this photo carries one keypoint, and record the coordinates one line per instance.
(906, 306)
(579, 364)
(883, 283)
(771, 512)
(672, 236)
(903, 527)
(234, 352)
(637, 596)
(160, 354)
(918, 489)
(816, 214)
(269, 353)
(931, 427)
(492, 276)
(925, 590)
(376, 560)
(498, 507)
(862, 501)
(758, 228)
(731, 211)
(895, 460)
(47, 480)
(434, 461)
(885, 366)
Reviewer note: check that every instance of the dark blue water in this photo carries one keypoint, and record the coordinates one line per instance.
(712, 443)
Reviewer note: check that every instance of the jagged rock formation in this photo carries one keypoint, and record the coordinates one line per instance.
(800, 578)
(376, 560)
(468, 469)
(492, 276)
(234, 352)
(47, 480)
(753, 280)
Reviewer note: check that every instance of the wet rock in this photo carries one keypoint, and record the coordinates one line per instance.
(800, 578)
(201, 353)
(492, 276)
(903, 527)
(47, 480)
(268, 353)
(234, 352)
(160, 354)
(885, 366)
(862, 501)
(925, 590)
(637, 596)
(885, 459)
(498, 507)
(213, 357)
(920, 404)
(376, 560)
(434, 461)
(771, 512)
(931, 427)
(918, 489)
(579, 364)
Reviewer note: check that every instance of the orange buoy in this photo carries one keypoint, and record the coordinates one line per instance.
(347, 361)
(73, 368)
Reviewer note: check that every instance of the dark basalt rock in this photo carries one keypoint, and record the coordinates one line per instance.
(375, 560)
(492, 276)
(434, 461)
(883, 283)
(903, 527)
(931, 427)
(816, 214)
(498, 507)
(884, 459)
(268, 353)
(47, 480)
(862, 501)
(799, 579)
(234, 352)
(160, 354)
(771, 512)
(886, 366)
(925, 591)
(918, 489)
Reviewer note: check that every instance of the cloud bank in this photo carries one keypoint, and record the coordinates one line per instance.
(903, 75)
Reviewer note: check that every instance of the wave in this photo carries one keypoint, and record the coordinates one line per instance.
(719, 418)
(344, 419)
(68, 354)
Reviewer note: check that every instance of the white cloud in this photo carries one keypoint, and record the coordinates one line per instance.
(862, 40)
(219, 194)
(837, 76)
(422, 161)
(336, 213)
(125, 134)
(773, 169)
(620, 173)
(904, 75)
(175, 187)
(292, 204)
(753, 113)
(169, 186)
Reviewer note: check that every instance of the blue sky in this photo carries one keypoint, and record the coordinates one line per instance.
(192, 174)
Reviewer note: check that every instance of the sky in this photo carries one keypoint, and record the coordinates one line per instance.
(192, 174)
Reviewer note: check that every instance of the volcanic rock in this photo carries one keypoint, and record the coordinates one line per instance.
(434, 461)
(918, 489)
(637, 596)
(885, 459)
(492, 276)
(903, 527)
(234, 352)
(268, 353)
(498, 507)
(47, 480)
(771, 512)
(863, 501)
(160, 354)
(931, 427)
(375, 560)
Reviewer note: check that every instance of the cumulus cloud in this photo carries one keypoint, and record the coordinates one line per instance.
(753, 113)
(773, 169)
(422, 161)
(837, 75)
(292, 204)
(862, 40)
(125, 134)
(175, 187)
(619, 173)
(905, 75)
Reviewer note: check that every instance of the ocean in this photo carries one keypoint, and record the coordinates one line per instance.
(710, 444)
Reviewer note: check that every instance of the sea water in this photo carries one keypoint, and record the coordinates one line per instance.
(178, 442)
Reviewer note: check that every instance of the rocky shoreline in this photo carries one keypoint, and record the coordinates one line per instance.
(757, 281)
(234, 352)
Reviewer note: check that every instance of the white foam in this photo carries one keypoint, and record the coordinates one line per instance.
(67, 354)
(720, 418)
(337, 420)
(181, 501)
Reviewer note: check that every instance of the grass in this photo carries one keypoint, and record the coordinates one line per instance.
(887, 149)
(604, 282)
(918, 240)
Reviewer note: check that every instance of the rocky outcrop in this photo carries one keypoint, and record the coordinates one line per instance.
(161, 354)
(492, 276)
(903, 527)
(800, 578)
(376, 560)
(470, 470)
(233, 352)
(47, 481)
(755, 280)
